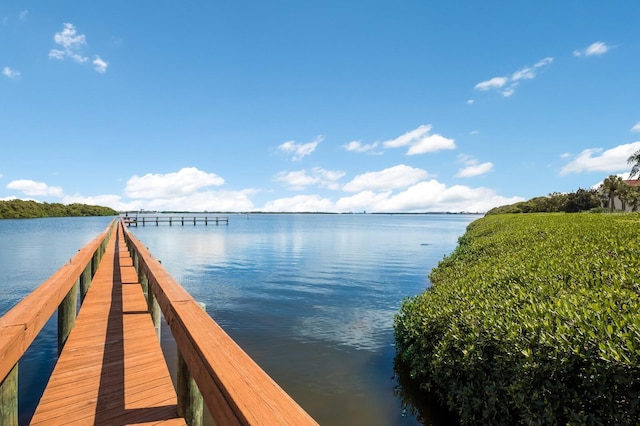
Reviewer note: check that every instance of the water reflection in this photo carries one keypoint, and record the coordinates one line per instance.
(419, 403)
(311, 298)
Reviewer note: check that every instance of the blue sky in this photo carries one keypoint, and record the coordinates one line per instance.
(411, 106)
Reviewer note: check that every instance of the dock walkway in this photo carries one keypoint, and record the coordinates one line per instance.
(111, 370)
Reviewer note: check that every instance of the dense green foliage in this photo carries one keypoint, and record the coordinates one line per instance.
(572, 202)
(533, 319)
(21, 209)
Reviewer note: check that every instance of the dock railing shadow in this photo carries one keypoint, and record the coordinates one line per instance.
(21, 324)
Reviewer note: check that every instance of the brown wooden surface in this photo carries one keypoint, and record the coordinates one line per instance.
(20, 326)
(235, 389)
(111, 370)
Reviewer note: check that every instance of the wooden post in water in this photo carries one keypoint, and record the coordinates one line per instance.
(9, 398)
(190, 401)
(67, 316)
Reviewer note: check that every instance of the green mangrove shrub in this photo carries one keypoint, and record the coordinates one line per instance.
(29, 209)
(533, 319)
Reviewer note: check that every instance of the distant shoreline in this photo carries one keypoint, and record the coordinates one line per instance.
(144, 212)
(28, 209)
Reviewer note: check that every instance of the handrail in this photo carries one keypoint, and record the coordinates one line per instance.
(235, 389)
(21, 325)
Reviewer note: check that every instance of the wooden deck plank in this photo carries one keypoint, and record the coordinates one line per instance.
(111, 370)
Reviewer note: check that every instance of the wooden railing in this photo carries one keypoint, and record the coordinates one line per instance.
(234, 388)
(20, 326)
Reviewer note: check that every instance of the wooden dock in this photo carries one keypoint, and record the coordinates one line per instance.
(175, 220)
(111, 369)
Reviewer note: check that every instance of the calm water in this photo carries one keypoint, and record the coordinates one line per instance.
(311, 298)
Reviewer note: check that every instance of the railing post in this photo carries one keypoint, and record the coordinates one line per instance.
(154, 310)
(67, 316)
(144, 283)
(95, 261)
(190, 402)
(9, 398)
(85, 282)
(136, 261)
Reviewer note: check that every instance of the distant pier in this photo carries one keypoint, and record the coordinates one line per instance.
(175, 220)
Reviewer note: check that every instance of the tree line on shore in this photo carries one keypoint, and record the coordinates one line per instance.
(28, 209)
(572, 202)
(594, 200)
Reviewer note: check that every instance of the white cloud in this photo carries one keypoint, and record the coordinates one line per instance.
(398, 189)
(71, 45)
(474, 132)
(100, 65)
(357, 146)
(33, 188)
(544, 62)
(594, 49)
(300, 150)
(431, 143)
(421, 142)
(472, 168)
(494, 83)
(318, 176)
(23, 15)
(428, 196)
(226, 201)
(300, 203)
(395, 177)
(10, 72)
(636, 127)
(470, 101)
(425, 196)
(529, 73)
(597, 160)
(185, 182)
(507, 85)
(475, 170)
(509, 91)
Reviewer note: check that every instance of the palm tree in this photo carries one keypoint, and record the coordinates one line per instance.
(623, 194)
(635, 160)
(610, 188)
(633, 197)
